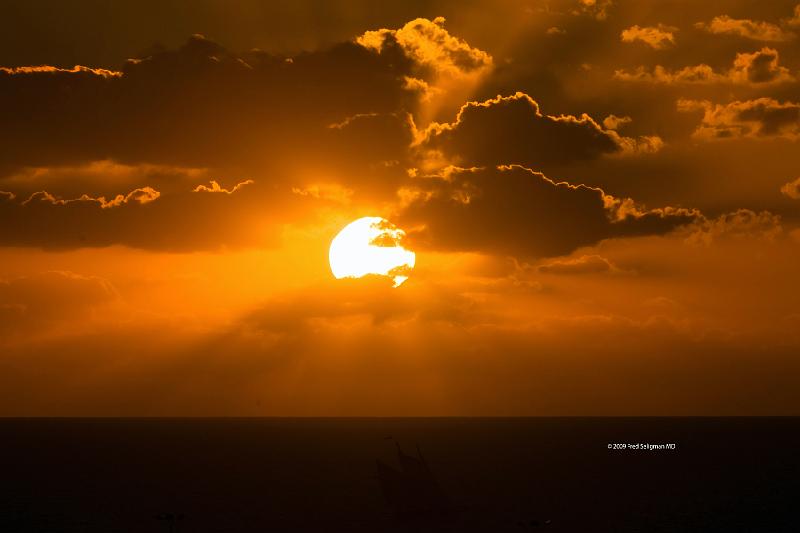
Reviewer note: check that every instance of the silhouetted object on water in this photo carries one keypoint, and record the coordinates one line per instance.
(412, 490)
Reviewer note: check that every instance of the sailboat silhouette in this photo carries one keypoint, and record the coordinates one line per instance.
(411, 490)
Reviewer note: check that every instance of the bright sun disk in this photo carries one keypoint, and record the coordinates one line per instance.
(370, 245)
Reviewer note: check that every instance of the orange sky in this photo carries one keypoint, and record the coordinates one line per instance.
(602, 198)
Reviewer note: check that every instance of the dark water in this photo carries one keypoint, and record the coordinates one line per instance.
(261, 475)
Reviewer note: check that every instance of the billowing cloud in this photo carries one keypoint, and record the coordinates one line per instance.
(143, 196)
(792, 189)
(214, 186)
(658, 37)
(429, 46)
(512, 210)
(760, 67)
(759, 118)
(512, 129)
(750, 29)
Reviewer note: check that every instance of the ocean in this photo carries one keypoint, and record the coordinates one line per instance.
(307, 474)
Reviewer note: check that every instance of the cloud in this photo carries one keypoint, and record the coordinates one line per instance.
(613, 122)
(585, 264)
(358, 347)
(512, 129)
(760, 67)
(144, 218)
(215, 187)
(795, 19)
(49, 209)
(512, 210)
(693, 74)
(594, 8)
(176, 117)
(167, 108)
(331, 192)
(750, 29)
(380, 139)
(143, 196)
(425, 90)
(77, 69)
(739, 224)
(327, 347)
(103, 175)
(658, 37)
(41, 301)
(429, 46)
(792, 189)
(759, 118)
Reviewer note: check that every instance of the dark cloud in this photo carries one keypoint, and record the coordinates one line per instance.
(104, 178)
(757, 68)
(198, 105)
(337, 116)
(204, 105)
(512, 129)
(377, 138)
(760, 67)
(762, 117)
(145, 219)
(515, 211)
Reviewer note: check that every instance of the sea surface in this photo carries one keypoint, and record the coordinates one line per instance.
(499, 474)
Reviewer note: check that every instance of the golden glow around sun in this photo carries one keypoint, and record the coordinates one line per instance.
(370, 245)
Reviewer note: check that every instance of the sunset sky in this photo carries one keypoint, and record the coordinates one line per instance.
(602, 196)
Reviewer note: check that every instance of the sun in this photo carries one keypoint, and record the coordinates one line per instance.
(370, 245)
